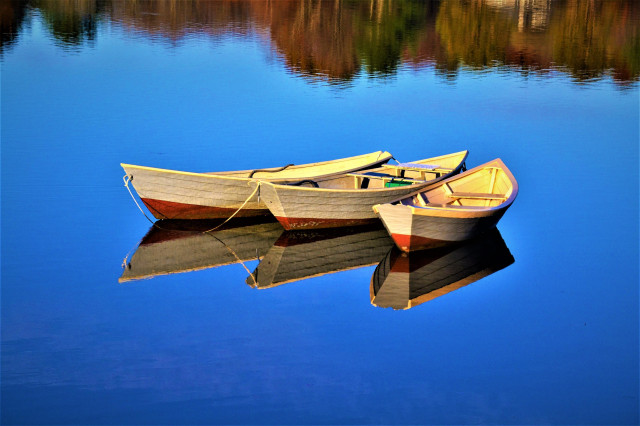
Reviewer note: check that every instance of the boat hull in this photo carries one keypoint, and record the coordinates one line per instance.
(172, 194)
(162, 209)
(310, 208)
(346, 201)
(437, 216)
(432, 228)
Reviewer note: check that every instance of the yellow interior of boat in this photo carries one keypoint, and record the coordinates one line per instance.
(487, 187)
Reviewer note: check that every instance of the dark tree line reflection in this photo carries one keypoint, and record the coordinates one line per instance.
(12, 14)
(337, 40)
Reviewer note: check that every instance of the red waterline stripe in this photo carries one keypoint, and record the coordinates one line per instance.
(414, 242)
(162, 209)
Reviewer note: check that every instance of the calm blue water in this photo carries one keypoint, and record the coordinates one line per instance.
(551, 339)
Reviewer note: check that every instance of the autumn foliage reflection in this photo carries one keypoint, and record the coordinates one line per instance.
(337, 40)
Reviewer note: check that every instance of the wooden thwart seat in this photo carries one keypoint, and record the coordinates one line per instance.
(381, 176)
(421, 199)
(400, 169)
(446, 206)
(418, 167)
(477, 195)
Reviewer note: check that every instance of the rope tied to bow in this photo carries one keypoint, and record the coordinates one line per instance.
(128, 179)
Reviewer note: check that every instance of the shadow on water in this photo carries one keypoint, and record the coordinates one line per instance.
(400, 280)
(337, 42)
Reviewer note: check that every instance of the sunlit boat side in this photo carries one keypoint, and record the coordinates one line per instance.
(182, 246)
(172, 194)
(456, 209)
(299, 255)
(347, 199)
(405, 280)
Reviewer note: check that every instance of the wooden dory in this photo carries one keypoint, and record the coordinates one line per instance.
(172, 194)
(404, 280)
(347, 199)
(456, 209)
(298, 255)
(182, 246)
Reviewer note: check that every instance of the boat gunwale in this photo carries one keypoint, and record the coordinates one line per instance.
(421, 185)
(383, 156)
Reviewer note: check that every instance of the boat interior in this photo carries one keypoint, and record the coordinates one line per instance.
(390, 175)
(489, 186)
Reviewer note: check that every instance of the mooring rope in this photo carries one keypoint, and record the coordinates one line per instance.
(279, 169)
(241, 207)
(233, 253)
(124, 261)
(127, 179)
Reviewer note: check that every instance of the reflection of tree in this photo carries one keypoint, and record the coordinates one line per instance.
(391, 27)
(12, 13)
(590, 37)
(314, 37)
(336, 40)
(173, 20)
(474, 33)
(71, 22)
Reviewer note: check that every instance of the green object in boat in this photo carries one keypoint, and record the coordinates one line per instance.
(394, 183)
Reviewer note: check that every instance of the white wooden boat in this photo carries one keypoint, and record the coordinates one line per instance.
(182, 246)
(172, 194)
(298, 255)
(456, 209)
(347, 199)
(404, 280)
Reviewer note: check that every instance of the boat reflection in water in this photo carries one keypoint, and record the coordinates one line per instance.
(400, 281)
(173, 246)
(404, 280)
(298, 255)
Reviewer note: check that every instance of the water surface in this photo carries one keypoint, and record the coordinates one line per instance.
(549, 336)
